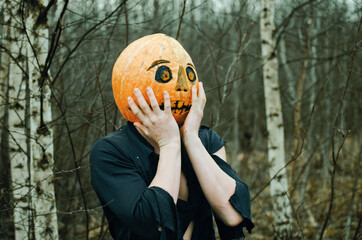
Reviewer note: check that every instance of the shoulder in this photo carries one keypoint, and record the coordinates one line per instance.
(110, 147)
(210, 139)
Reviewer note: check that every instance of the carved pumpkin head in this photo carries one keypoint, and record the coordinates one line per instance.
(160, 62)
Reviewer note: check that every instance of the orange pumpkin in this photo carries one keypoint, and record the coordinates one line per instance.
(160, 62)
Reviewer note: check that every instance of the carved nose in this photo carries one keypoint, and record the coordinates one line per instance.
(181, 84)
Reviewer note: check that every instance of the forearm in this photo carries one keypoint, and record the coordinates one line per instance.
(217, 186)
(168, 170)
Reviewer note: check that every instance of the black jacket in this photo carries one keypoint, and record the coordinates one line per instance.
(123, 165)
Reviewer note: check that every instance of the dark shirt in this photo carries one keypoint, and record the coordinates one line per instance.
(123, 164)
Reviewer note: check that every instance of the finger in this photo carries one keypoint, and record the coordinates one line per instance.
(194, 97)
(142, 102)
(153, 100)
(166, 98)
(201, 91)
(141, 127)
(135, 109)
(202, 95)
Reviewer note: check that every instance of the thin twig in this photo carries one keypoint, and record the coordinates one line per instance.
(82, 39)
(355, 237)
(53, 44)
(16, 60)
(238, 78)
(26, 32)
(76, 166)
(214, 64)
(281, 28)
(354, 192)
(103, 101)
(181, 17)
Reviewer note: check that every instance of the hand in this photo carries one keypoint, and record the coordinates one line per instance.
(193, 120)
(157, 125)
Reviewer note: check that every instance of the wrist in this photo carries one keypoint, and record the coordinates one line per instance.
(171, 144)
(171, 151)
(190, 136)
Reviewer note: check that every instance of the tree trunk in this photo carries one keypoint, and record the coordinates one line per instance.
(327, 124)
(18, 144)
(276, 154)
(287, 69)
(6, 215)
(42, 179)
(354, 191)
(297, 135)
(236, 130)
(310, 141)
(30, 138)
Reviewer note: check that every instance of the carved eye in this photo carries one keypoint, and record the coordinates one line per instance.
(163, 74)
(191, 74)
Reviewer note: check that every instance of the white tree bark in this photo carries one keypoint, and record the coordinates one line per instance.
(30, 136)
(282, 212)
(4, 69)
(41, 143)
(18, 147)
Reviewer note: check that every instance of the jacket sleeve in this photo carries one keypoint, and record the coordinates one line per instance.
(240, 200)
(148, 212)
(210, 139)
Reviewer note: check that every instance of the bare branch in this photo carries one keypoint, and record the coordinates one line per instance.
(181, 17)
(279, 30)
(103, 101)
(82, 39)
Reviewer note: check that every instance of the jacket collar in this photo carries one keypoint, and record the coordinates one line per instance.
(143, 143)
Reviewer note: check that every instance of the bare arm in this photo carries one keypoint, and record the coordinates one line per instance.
(168, 170)
(217, 186)
(161, 130)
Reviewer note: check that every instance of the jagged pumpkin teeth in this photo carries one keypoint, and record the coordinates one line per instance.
(160, 62)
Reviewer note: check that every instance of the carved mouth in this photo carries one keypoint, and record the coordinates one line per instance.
(178, 107)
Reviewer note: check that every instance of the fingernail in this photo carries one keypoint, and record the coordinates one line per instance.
(129, 99)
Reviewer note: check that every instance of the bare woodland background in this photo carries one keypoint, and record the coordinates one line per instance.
(318, 46)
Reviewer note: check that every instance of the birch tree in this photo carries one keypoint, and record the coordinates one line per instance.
(5, 214)
(18, 144)
(30, 136)
(276, 154)
(45, 222)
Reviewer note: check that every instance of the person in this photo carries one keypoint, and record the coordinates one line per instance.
(158, 180)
